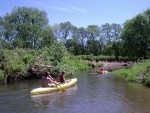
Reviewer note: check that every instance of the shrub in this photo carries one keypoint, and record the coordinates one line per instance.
(1, 75)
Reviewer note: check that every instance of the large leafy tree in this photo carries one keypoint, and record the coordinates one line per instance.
(106, 33)
(136, 36)
(110, 32)
(3, 43)
(56, 31)
(25, 27)
(116, 31)
(69, 35)
(82, 39)
(48, 38)
(93, 34)
(109, 35)
(66, 30)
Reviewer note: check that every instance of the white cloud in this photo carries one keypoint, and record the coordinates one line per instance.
(81, 10)
(68, 8)
(58, 7)
(63, 9)
(77, 9)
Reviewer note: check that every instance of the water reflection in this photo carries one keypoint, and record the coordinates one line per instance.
(47, 101)
(93, 93)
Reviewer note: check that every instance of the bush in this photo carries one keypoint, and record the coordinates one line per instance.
(147, 78)
(1, 75)
(134, 73)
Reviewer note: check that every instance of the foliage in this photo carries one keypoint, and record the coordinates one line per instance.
(18, 61)
(147, 79)
(26, 28)
(16, 66)
(1, 74)
(65, 30)
(72, 66)
(136, 36)
(90, 40)
(136, 73)
(52, 54)
(100, 58)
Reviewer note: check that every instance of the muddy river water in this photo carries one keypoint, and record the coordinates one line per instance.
(93, 93)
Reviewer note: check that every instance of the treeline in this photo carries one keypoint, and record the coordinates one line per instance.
(28, 28)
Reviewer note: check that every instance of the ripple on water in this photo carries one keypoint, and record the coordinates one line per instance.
(94, 93)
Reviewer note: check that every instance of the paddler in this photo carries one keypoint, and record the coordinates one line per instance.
(100, 69)
(62, 77)
(47, 79)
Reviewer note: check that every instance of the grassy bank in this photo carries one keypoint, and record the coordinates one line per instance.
(139, 72)
(17, 62)
(102, 58)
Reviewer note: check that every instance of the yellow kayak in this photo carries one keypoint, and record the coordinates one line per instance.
(43, 90)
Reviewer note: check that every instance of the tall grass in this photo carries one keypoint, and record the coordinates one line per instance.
(72, 66)
(136, 73)
(101, 58)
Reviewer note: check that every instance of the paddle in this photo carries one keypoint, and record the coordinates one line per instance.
(63, 89)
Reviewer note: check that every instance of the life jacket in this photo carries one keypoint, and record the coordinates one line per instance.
(61, 78)
(102, 69)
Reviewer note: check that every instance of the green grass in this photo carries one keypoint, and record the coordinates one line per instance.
(100, 58)
(72, 66)
(134, 73)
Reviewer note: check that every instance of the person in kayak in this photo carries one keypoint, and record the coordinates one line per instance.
(101, 70)
(62, 77)
(47, 79)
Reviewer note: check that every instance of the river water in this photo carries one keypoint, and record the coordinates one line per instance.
(93, 93)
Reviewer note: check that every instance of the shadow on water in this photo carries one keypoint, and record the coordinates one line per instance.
(93, 93)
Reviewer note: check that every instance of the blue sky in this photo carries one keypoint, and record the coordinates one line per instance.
(82, 13)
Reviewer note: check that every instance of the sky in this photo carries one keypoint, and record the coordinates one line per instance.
(81, 13)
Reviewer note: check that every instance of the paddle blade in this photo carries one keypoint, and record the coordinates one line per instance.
(64, 90)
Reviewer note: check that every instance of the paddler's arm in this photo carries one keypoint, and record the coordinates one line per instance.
(50, 77)
(54, 82)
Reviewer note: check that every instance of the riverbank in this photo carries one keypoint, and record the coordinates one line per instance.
(139, 72)
(109, 66)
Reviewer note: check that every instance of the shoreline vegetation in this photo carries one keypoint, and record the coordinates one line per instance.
(29, 45)
(133, 71)
(26, 64)
(18, 64)
(138, 72)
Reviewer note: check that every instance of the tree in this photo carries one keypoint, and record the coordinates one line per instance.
(3, 43)
(65, 30)
(106, 33)
(48, 37)
(93, 34)
(116, 31)
(26, 25)
(82, 39)
(136, 36)
(56, 31)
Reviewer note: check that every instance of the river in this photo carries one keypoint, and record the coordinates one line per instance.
(93, 93)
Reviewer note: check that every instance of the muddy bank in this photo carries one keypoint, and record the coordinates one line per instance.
(116, 65)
